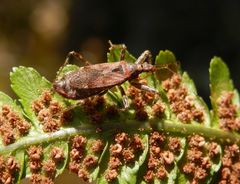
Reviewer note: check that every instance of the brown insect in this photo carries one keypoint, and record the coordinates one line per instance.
(97, 79)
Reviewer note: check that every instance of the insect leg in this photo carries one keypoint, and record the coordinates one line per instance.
(76, 55)
(124, 96)
(122, 47)
(71, 107)
(72, 54)
(144, 87)
(122, 53)
(146, 56)
(103, 92)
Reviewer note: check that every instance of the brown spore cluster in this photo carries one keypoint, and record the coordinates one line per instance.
(35, 154)
(125, 149)
(163, 151)
(82, 163)
(97, 110)
(40, 179)
(93, 107)
(44, 171)
(9, 166)
(230, 170)
(181, 102)
(12, 125)
(57, 154)
(50, 113)
(227, 112)
(140, 99)
(199, 158)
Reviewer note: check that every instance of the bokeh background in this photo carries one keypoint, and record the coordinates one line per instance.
(41, 33)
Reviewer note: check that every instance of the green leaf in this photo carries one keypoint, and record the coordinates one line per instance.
(19, 155)
(168, 59)
(165, 57)
(127, 172)
(220, 82)
(115, 51)
(28, 84)
(219, 78)
(198, 101)
(216, 165)
(16, 109)
(172, 171)
(94, 172)
(47, 154)
(211, 172)
(47, 148)
(181, 178)
(7, 100)
(167, 64)
(66, 69)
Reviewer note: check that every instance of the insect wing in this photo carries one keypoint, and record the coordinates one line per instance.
(103, 75)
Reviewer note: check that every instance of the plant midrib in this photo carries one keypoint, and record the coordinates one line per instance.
(167, 126)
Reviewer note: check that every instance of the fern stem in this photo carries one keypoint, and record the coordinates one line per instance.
(166, 126)
(43, 138)
(212, 134)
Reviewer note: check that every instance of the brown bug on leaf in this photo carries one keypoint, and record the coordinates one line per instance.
(97, 79)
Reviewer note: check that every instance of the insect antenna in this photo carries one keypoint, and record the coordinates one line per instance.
(146, 75)
(74, 54)
(165, 71)
(66, 62)
(61, 68)
(77, 56)
(110, 43)
(170, 67)
(122, 48)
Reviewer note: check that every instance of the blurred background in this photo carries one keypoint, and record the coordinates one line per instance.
(39, 34)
